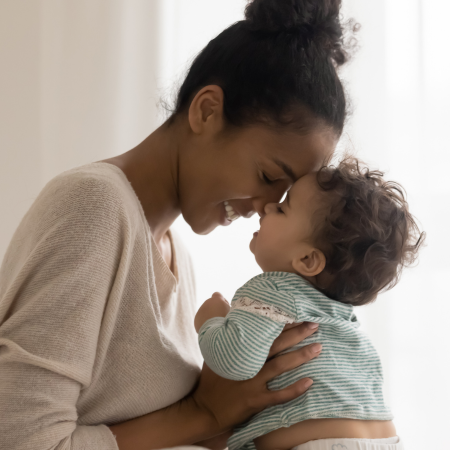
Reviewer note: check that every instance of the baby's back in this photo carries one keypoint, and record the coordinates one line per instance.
(347, 385)
(347, 375)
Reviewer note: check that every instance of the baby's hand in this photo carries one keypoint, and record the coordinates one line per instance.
(216, 306)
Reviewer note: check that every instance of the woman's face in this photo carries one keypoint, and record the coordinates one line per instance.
(246, 168)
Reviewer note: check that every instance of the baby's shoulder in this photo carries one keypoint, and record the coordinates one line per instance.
(260, 283)
(266, 289)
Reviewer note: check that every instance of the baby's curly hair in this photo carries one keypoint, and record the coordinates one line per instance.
(368, 234)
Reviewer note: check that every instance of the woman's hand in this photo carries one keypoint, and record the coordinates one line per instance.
(229, 402)
(216, 306)
(292, 334)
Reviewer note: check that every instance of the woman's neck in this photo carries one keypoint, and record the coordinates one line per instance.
(152, 169)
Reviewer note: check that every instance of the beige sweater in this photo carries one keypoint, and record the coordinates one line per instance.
(94, 327)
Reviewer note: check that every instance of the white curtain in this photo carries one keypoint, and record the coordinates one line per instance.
(78, 83)
(81, 81)
(400, 83)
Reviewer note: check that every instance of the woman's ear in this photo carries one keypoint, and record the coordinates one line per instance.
(206, 110)
(311, 263)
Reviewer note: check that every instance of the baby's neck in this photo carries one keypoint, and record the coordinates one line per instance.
(318, 282)
(311, 280)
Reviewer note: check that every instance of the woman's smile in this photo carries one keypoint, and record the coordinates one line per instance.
(227, 214)
(231, 214)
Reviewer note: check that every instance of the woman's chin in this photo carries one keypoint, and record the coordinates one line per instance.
(207, 223)
(205, 227)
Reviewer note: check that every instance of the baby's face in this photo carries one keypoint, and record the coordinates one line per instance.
(287, 228)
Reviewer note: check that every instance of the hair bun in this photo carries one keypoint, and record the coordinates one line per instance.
(316, 20)
(290, 15)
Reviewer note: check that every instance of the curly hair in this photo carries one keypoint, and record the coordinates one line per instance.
(368, 235)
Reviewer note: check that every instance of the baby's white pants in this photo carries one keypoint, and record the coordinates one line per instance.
(393, 443)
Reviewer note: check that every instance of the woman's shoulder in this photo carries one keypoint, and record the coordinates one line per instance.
(96, 188)
(81, 211)
(96, 179)
(94, 198)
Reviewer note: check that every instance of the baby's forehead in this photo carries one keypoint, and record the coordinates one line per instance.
(305, 185)
(306, 195)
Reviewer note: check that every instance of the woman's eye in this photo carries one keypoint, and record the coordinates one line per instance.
(267, 179)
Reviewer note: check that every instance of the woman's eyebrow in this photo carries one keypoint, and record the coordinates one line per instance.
(287, 169)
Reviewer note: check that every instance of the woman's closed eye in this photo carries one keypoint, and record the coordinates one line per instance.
(267, 179)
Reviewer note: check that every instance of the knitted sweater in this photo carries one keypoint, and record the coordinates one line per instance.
(94, 327)
(347, 375)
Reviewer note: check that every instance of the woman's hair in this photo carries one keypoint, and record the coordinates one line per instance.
(278, 66)
(368, 234)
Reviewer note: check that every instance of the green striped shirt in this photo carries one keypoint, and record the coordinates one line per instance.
(347, 375)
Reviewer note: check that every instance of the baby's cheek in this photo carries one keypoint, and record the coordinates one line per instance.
(277, 246)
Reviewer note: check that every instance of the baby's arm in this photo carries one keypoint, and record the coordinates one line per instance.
(236, 346)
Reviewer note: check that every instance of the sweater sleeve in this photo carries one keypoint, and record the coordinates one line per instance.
(55, 281)
(236, 347)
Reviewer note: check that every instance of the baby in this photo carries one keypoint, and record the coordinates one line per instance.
(341, 236)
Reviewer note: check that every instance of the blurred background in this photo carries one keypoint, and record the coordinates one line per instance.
(84, 80)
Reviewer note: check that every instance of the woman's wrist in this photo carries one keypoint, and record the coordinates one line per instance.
(183, 423)
(206, 421)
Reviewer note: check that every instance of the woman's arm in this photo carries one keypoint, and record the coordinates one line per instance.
(218, 404)
(182, 423)
(55, 283)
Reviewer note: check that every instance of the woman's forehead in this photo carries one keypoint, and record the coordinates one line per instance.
(297, 154)
(296, 164)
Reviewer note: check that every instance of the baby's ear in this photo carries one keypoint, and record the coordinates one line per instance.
(311, 263)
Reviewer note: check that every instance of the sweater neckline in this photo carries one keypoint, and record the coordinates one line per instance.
(169, 277)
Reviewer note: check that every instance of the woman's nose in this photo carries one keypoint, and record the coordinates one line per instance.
(269, 207)
(260, 203)
(262, 207)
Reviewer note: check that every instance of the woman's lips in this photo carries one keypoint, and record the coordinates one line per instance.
(255, 233)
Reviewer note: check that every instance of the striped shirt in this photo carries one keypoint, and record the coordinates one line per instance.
(347, 375)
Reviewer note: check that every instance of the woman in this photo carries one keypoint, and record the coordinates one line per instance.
(97, 344)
